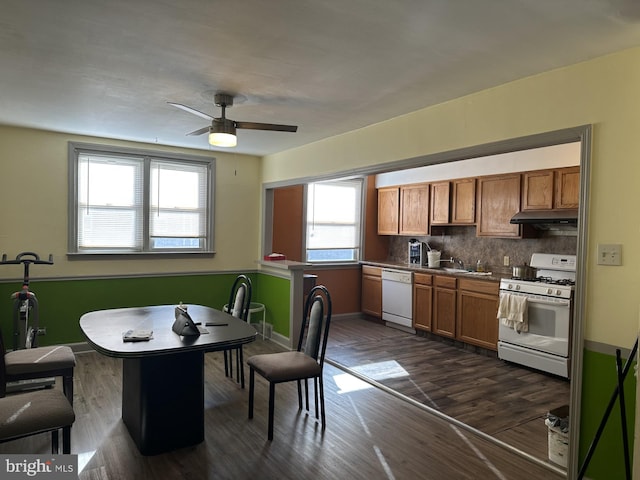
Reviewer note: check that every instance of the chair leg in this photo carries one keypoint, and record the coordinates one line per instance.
(322, 401)
(272, 394)
(251, 386)
(306, 393)
(66, 440)
(55, 448)
(299, 394)
(241, 366)
(67, 387)
(315, 393)
(226, 364)
(238, 364)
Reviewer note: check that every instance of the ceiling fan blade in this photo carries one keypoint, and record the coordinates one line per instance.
(200, 131)
(191, 110)
(266, 126)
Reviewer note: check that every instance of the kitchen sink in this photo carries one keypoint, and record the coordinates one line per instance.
(467, 272)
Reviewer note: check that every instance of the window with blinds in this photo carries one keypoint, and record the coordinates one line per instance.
(126, 201)
(333, 221)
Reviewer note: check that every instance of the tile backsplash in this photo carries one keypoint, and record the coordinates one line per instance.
(462, 243)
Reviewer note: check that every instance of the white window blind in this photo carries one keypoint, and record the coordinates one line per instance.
(333, 221)
(109, 203)
(133, 202)
(178, 205)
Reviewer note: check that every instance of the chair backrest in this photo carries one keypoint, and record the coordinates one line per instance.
(240, 297)
(315, 323)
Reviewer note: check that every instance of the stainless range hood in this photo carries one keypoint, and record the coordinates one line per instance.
(559, 219)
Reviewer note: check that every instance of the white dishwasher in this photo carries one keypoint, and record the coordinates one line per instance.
(397, 297)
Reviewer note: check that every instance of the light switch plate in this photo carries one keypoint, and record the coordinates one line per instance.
(505, 261)
(609, 254)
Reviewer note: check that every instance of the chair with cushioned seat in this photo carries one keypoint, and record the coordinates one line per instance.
(42, 362)
(33, 412)
(302, 364)
(238, 306)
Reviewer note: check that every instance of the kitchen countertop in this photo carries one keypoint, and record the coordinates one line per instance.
(494, 277)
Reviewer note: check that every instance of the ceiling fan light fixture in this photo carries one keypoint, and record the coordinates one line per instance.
(222, 133)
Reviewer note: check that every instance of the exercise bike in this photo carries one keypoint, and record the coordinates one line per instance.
(25, 304)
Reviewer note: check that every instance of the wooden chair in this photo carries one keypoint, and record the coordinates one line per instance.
(238, 305)
(302, 364)
(34, 412)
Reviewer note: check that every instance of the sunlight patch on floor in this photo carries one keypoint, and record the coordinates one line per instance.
(84, 458)
(377, 371)
(382, 370)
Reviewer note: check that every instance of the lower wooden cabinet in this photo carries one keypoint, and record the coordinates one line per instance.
(422, 301)
(476, 316)
(371, 299)
(444, 306)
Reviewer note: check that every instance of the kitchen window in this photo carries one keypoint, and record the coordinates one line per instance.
(125, 201)
(333, 230)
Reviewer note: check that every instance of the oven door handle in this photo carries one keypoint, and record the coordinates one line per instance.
(562, 303)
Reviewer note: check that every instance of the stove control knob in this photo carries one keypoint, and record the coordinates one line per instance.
(549, 291)
(558, 292)
(517, 287)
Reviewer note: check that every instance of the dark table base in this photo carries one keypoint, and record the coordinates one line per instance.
(163, 401)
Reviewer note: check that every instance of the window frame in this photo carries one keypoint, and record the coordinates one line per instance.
(360, 222)
(76, 149)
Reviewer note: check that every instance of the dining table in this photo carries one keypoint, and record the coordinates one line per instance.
(163, 372)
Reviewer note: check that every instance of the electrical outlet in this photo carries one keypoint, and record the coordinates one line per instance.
(609, 254)
(505, 260)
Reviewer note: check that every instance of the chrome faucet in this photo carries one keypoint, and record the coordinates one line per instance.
(460, 263)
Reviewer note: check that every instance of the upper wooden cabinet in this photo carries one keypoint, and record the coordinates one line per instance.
(388, 210)
(454, 202)
(414, 209)
(498, 200)
(567, 188)
(548, 189)
(537, 190)
(440, 203)
(463, 205)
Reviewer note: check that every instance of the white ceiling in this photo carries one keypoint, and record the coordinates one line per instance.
(109, 67)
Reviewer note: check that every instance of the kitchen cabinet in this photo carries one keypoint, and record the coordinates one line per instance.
(537, 190)
(567, 182)
(548, 189)
(440, 198)
(444, 306)
(388, 210)
(476, 321)
(453, 202)
(371, 299)
(422, 301)
(463, 205)
(498, 199)
(414, 210)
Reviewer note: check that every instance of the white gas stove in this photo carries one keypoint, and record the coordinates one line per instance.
(542, 340)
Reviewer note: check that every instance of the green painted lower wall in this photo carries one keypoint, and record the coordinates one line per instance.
(63, 302)
(599, 381)
(277, 288)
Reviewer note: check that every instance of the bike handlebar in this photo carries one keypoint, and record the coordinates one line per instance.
(34, 258)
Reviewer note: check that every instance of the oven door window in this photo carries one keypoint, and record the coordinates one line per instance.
(549, 328)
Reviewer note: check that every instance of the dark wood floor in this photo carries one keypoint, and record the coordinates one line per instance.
(503, 400)
(370, 435)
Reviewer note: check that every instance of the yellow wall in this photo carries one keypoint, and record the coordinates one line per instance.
(604, 92)
(33, 206)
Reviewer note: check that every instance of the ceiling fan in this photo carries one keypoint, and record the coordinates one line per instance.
(222, 132)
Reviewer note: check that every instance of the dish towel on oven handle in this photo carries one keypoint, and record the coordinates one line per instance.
(512, 312)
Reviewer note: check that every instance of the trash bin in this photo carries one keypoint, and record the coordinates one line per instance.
(557, 422)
